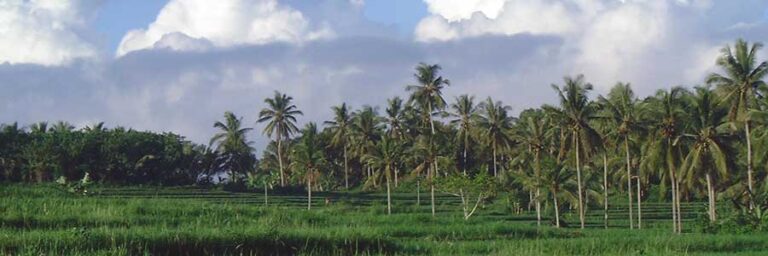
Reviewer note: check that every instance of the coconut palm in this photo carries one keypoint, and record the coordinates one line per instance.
(280, 115)
(575, 113)
(558, 179)
(62, 126)
(385, 156)
(397, 125)
(532, 133)
(309, 158)
(428, 96)
(708, 156)
(429, 92)
(395, 118)
(662, 153)
(464, 112)
(366, 132)
(623, 112)
(232, 145)
(742, 75)
(340, 126)
(495, 123)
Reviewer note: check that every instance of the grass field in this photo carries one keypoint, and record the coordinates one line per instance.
(42, 220)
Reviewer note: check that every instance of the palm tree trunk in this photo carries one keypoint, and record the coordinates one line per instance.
(639, 206)
(538, 207)
(679, 210)
(418, 193)
(629, 181)
(557, 208)
(309, 192)
(749, 164)
(432, 191)
(397, 172)
(266, 197)
(674, 201)
(346, 170)
(711, 195)
(389, 194)
(429, 116)
(605, 190)
(280, 160)
(466, 140)
(538, 187)
(495, 174)
(578, 180)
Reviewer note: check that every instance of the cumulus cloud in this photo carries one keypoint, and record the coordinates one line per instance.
(47, 32)
(222, 23)
(189, 74)
(608, 40)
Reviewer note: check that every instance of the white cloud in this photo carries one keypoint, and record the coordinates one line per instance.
(607, 40)
(456, 10)
(223, 23)
(44, 32)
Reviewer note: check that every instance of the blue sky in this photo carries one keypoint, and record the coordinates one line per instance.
(186, 62)
(118, 16)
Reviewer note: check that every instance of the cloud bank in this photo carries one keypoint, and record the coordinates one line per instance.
(198, 59)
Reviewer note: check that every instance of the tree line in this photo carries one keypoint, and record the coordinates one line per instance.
(705, 142)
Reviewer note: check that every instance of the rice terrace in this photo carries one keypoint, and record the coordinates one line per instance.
(383, 127)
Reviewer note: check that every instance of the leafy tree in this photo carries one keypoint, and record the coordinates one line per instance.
(471, 191)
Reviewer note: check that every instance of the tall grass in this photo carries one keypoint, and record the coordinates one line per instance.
(43, 220)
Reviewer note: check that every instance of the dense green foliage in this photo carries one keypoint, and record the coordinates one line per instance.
(114, 156)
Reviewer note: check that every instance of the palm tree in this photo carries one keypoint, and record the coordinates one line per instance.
(340, 126)
(464, 113)
(395, 118)
(366, 129)
(709, 152)
(397, 125)
(495, 124)
(232, 145)
(309, 158)
(385, 156)
(558, 179)
(662, 153)
(428, 95)
(62, 126)
(575, 113)
(281, 117)
(532, 133)
(621, 109)
(737, 86)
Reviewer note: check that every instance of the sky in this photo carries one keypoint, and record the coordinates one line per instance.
(178, 65)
